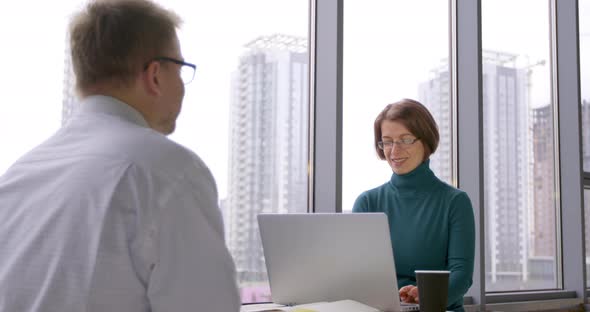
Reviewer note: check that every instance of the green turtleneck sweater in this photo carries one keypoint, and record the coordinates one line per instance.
(432, 228)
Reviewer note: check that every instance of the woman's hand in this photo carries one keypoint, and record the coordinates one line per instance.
(409, 294)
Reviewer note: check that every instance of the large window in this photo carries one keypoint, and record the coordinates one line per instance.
(584, 28)
(584, 32)
(587, 231)
(245, 113)
(519, 153)
(391, 53)
(32, 79)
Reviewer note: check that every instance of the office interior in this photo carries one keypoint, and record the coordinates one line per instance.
(293, 105)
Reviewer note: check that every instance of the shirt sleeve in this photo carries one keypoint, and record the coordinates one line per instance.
(461, 247)
(194, 270)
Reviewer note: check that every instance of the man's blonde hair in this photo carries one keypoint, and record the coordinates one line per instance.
(112, 40)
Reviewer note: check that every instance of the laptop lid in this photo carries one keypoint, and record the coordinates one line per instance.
(328, 257)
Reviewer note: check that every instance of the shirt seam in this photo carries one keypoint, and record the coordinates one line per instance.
(93, 274)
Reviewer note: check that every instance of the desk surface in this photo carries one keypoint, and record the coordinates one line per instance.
(264, 307)
(260, 307)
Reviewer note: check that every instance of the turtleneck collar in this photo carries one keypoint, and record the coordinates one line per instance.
(417, 180)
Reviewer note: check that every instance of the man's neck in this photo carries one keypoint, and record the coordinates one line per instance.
(129, 96)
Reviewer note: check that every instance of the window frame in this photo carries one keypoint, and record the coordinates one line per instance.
(466, 72)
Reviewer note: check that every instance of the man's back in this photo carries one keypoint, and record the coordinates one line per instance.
(109, 215)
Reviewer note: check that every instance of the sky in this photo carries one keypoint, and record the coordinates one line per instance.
(389, 48)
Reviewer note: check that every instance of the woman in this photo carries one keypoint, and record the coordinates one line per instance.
(431, 223)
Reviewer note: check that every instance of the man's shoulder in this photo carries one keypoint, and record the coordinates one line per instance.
(150, 149)
(108, 137)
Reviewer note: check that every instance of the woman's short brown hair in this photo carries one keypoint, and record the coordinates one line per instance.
(112, 40)
(416, 118)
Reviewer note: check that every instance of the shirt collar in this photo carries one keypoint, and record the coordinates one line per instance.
(109, 105)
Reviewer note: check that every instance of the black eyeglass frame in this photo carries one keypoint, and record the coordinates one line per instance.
(175, 61)
(403, 143)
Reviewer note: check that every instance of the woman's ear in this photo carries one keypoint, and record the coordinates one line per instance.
(151, 78)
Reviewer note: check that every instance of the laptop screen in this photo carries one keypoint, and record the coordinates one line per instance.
(329, 257)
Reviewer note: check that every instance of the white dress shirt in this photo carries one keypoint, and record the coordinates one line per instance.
(110, 215)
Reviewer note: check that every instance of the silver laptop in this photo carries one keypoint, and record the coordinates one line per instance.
(328, 257)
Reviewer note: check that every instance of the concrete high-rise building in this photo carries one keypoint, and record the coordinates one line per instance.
(507, 158)
(586, 165)
(586, 135)
(268, 143)
(435, 95)
(224, 214)
(69, 99)
(542, 220)
(507, 155)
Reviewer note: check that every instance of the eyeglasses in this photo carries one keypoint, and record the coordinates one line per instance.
(187, 70)
(403, 143)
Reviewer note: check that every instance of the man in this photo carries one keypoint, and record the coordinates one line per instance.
(108, 214)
